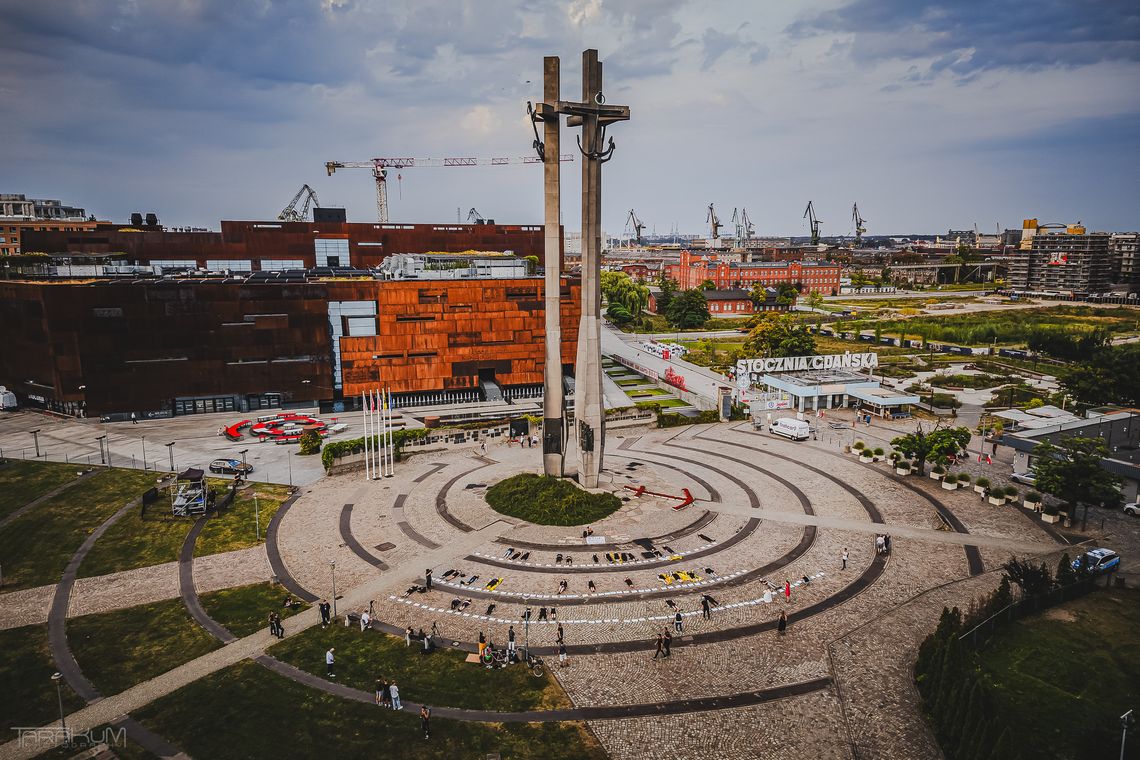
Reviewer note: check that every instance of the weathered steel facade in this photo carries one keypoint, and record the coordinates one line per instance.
(202, 345)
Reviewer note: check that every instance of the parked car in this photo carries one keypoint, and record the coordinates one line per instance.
(1028, 478)
(796, 430)
(231, 467)
(1098, 560)
(1132, 508)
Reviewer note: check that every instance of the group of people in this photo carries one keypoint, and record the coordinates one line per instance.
(882, 543)
(388, 694)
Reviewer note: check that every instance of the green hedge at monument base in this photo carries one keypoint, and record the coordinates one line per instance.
(332, 451)
(549, 501)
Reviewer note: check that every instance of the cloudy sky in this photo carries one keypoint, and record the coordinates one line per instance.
(930, 115)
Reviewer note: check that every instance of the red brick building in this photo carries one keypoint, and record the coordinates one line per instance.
(695, 269)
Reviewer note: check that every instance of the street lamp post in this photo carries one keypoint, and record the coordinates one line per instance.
(170, 450)
(256, 520)
(58, 677)
(526, 632)
(332, 566)
(102, 452)
(1126, 720)
(243, 452)
(36, 438)
(144, 451)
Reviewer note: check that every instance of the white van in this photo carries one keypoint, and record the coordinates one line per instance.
(797, 430)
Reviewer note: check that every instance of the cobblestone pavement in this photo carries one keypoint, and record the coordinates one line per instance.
(767, 511)
(129, 588)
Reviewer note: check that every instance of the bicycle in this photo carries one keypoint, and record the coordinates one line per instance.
(535, 665)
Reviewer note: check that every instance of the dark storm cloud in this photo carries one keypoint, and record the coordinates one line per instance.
(968, 37)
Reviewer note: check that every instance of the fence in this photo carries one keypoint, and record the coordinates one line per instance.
(980, 634)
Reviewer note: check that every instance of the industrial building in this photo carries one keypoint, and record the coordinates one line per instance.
(1070, 261)
(321, 317)
(1125, 247)
(693, 269)
(20, 214)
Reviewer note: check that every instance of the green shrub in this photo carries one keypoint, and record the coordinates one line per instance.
(877, 452)
(963, 477)
(310, 442)
(1033, 496)
(356, 445)
(549, 501)
(982, 482)
(858, 445)
(1011, 491)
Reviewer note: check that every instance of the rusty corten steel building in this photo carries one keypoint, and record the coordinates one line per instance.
(326, 329)
(158, 347)
(256, 246)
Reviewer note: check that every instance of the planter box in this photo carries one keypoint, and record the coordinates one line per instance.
(1010, 499)
(936, 475)
(902, 470)
(950, 485)
(1031, 504)
(997, 501)
(1049, 518)
(979, 489)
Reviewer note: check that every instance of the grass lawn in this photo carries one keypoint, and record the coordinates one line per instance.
(976, 382)
(665, 402)
(826, 344)
(234, 529)
(549, 501)
(29, 695)
(647, 392)
(23, 481)
(1062, 679)
(137, 541)
(254, 713)
(630, 381)
(441, 679)
(119, 649)
(245, 609)
(37, 546)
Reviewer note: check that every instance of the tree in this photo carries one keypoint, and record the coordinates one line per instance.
(1032, 579)
(1108, 377)
(620, 290)
(815, 300)
(687, 309)
(779, 335)
(707, 285)
(787, 294)
(1073, 473)
(859, 279)
(668, 291)
(310, 442)
(925, 447)
(1065, 574)
(618, 314)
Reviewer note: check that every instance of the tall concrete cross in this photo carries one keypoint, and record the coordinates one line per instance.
(553, 399)
(594, 116)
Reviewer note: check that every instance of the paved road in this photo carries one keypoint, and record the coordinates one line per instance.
(699, 380)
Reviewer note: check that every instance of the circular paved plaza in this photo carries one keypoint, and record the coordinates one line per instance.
(766, 517)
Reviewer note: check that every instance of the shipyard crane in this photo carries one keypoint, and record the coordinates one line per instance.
(474, 217)
(809, 214)
(714, 223)
(290, 212)
(743, 226)
(860, 227)
(380, 167)
(632, 222)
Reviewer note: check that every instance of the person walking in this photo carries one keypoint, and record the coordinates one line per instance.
(879, 543)
(562, 653)
(668, 643)
(560, 634)
(386, 693)
(277, 622)
(408, 636)
(425, 720)
(427, 579)
(844, 557)
(706, 607)
(482, 644)
(787, 590)
(329, 661)
(134, 418)
(678, 622)
(660, 643)
(396, 697)
(365, 621)
(782, 623)
(379, 692)
(325, 608)
(511, 650)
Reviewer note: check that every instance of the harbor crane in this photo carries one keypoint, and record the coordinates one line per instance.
(714, 223)
(474, 217)
(743, 226)
(860, 225)
(290, 212)
(380, 167)
(809, 214)
(632, 222)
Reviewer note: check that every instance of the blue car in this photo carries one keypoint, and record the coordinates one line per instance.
(1098, 560)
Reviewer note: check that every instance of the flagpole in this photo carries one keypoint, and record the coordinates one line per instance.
(380, 426)
(391, 437)
(364, 408)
